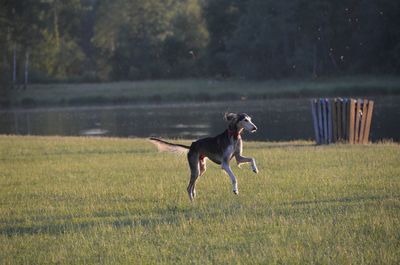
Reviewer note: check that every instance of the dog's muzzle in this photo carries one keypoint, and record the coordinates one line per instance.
(254, 129)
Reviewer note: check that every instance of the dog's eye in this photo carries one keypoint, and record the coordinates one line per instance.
(246, 120)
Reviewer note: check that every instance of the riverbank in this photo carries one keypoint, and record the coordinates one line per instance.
(201, 90)
(69, 200)
(278, 119)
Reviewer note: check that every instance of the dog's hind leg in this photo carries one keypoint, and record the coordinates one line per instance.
(202, 164)
(194, 164)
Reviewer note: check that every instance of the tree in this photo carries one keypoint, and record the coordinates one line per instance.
(52, 40)
(185, 45)
(128, 34)
(222, 17)
(20, 27)
(59, 55)
(262, 46)
(315, 38)
(150, 39)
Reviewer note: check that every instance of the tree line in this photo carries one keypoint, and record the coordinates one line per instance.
(107, 40)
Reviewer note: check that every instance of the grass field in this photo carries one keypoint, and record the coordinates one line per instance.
(119, 201)
(198, 90)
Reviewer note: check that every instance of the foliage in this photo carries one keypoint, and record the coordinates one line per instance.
(289, 38)
(150, 39)
(107, 40)
(222, 18)
(118, 201)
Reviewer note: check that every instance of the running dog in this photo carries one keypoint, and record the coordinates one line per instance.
(219, 149)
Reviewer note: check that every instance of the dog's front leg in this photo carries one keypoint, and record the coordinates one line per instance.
(227, 168)
(241, 159)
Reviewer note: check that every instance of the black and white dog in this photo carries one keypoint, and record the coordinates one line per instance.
(219, 149)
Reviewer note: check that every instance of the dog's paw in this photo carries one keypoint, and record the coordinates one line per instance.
(255, 170)
(236, 192)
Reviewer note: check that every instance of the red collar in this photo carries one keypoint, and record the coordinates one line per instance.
(235, 134)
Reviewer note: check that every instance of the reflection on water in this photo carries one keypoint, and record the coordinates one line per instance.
(93, 132)
(284, 119)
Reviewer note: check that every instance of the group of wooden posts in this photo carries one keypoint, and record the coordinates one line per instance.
(342, 120)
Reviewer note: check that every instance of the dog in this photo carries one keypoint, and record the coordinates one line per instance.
(219, 149)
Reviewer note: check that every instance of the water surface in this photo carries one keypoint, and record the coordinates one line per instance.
(278, 120)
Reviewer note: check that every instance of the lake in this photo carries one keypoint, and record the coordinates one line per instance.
(277, 120)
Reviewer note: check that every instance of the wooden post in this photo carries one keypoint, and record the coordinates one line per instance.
(315, 120)
(368, 122)
(329, 109)
(357, 128)
(334, 122)
(320, 124)
(324, 120)
(351, 120)
(363, 121)
(344, 120)
(339, 117)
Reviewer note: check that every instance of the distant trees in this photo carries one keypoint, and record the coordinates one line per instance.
(222, 18)
(150, 39)
(102, 40)
(39, 37)
(19, 34)
(275, 39)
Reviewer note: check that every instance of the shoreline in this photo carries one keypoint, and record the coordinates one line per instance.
(193, 91)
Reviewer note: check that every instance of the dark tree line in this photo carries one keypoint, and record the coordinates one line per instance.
(104, 40)
(303, 38)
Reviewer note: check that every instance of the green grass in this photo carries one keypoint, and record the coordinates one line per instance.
(119, 201)
(198, 90)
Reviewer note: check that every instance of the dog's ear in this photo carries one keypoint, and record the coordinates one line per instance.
(230, 116)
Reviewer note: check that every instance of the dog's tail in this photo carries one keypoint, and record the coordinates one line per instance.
(169, 147)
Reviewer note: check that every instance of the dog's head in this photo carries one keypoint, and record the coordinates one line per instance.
(240, 121)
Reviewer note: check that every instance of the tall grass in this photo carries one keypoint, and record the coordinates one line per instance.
(199, 90)
(118, 201)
